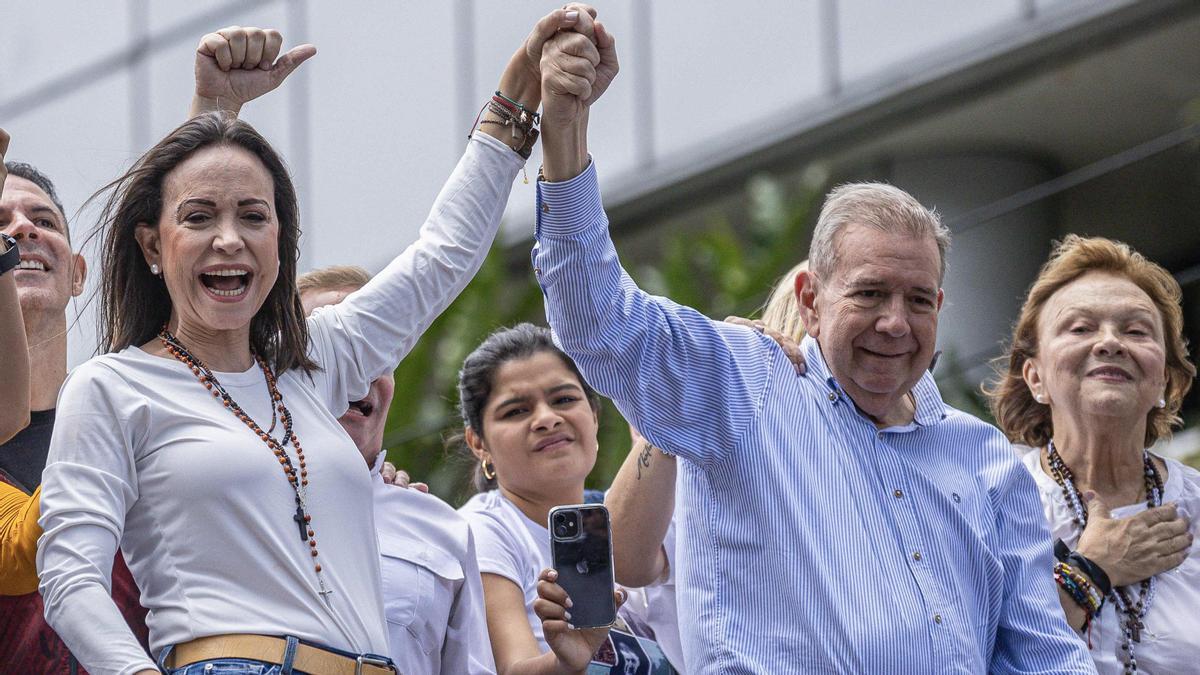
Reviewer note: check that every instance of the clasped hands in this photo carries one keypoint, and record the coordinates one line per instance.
(575, 59)
(576, 64)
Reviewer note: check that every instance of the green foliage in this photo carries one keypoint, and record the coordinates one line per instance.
(957, 386)
(720, 268)
(1192, 460)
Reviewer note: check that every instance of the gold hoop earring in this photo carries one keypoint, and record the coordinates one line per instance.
(489, 474)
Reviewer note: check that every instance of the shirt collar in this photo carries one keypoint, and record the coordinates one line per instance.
(931, 409)
(377, 468)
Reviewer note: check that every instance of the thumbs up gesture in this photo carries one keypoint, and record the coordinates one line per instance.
(1134, 548)
(236, 65)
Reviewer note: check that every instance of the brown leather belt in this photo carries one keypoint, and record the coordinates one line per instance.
(308, 659)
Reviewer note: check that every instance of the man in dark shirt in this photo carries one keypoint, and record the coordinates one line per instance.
(50, 275)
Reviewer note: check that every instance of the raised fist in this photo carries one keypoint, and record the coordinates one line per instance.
(236, 65)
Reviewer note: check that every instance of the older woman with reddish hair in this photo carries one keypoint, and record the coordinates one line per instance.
(1096, 373)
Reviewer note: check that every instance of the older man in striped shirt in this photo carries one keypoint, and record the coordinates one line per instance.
(844, 521)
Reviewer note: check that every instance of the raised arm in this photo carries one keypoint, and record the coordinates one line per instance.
(375, 327)
(641, 503)
(14, 353)
(690, 385)
(576, 69)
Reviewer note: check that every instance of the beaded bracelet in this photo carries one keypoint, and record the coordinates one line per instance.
(1093, 571)
(515, 116)
(515, 106)
(519, 119)
(1079, 588)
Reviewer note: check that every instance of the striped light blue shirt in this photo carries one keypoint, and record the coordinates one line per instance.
(810, 541)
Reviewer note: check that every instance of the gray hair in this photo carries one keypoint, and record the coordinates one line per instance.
(884, 207)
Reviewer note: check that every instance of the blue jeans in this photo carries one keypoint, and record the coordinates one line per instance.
(230, 666)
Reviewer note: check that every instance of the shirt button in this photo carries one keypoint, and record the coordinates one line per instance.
(957, 499)
(937, 618)
(917, 556)
(899, 494)
(545, 208)
(832, 396)
(537, 271)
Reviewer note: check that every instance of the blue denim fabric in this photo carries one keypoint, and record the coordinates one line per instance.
(230, 667)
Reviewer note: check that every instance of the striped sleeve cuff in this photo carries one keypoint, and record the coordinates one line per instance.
(570, 207)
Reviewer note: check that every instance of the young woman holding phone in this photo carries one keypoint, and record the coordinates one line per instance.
(530, 422)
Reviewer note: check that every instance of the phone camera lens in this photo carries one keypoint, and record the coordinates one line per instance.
(566, 524)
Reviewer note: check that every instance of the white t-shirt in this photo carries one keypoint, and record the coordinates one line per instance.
(510, 545)
(1171, 639)
(143, 456)
(432, 594)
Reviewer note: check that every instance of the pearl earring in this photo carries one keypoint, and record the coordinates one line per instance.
(1162, 402)
(1039, 398)
(154, 269)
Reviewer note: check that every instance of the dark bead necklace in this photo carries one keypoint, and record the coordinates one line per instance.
(298, 480)
(1133, 613)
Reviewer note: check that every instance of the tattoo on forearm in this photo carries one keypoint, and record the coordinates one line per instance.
(644, 458)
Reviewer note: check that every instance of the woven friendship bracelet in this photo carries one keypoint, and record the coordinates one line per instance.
(1079, 588)
(515, 116)
(515, 106)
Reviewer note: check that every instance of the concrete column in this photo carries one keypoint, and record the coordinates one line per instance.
(990, 265)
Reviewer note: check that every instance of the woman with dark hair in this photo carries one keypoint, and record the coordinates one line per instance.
(1096, 373)
(530, 423)
(205, 441)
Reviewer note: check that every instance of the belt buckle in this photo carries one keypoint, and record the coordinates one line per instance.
(364, 659)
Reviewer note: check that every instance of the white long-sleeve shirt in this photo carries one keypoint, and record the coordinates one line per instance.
(144, 457)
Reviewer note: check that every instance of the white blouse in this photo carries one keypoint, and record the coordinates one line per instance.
(1169, 642)
(144, 457)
